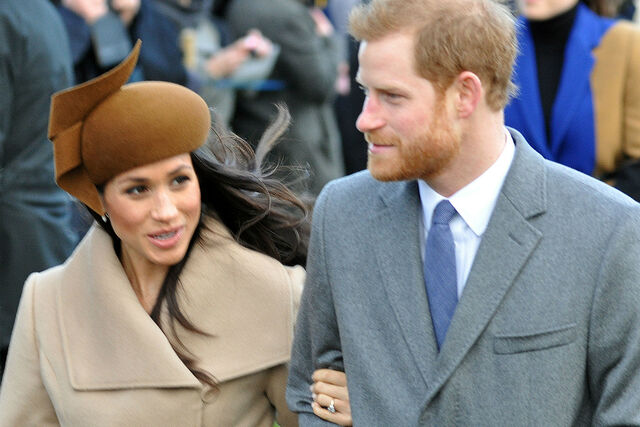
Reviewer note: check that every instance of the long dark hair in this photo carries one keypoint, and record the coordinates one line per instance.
(260, 211)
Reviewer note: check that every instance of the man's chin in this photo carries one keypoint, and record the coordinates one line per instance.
(383, 174)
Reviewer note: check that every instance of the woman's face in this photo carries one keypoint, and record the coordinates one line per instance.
(539, 10)
(154, 210)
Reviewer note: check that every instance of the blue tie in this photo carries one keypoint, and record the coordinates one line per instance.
(440, 270)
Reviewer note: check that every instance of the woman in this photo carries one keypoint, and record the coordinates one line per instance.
(159, 317)
(579, 97)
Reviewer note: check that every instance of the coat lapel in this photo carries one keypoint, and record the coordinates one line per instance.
(243, 299)
(506, 246)
(109, 340)
(397, 245)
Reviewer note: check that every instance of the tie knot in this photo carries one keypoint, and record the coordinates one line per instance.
(443, 213)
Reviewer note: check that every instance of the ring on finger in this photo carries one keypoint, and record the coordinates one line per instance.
(331, 408)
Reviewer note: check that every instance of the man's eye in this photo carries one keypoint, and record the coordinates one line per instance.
(391, 96)
(138, 189)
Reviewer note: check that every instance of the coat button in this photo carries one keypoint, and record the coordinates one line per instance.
(208, 394)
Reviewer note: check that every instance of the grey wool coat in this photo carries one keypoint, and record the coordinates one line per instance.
(546, 332)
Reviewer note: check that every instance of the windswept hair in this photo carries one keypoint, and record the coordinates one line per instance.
(261, 212)
(259, 209)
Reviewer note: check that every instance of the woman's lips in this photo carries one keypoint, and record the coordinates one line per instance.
(166, 239)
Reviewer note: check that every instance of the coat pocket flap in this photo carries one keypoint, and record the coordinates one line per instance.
(507, 344)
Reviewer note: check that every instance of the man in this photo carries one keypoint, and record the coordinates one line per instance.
(520, 303)
(35, 229)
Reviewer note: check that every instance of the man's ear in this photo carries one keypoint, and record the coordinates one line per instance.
(469, 91)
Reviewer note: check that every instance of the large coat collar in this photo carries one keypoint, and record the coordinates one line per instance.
(243, 299)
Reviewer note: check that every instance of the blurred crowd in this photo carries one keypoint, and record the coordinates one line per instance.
(244, 57)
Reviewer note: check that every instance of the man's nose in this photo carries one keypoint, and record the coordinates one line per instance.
(370, 118)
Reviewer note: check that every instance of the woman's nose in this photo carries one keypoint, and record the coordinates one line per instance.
(164, 207)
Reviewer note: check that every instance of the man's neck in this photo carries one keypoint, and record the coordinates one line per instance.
(480, 148)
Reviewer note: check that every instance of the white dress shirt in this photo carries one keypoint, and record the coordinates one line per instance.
(474, 204)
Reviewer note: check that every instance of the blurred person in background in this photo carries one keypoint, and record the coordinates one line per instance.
(627, 10)
(35, 228)
(578, 75)
(102, 32)
(209, 53)
(348, 103)
(303, 78)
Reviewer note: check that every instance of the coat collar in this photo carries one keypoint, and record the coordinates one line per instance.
(232, 293)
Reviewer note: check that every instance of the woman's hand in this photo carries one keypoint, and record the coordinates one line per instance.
(329, 391)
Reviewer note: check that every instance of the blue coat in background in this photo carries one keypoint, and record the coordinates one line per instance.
(572, 139)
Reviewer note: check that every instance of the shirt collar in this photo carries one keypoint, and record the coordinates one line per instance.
(475, 201)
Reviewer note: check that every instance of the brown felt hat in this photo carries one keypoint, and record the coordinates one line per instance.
(101, 128)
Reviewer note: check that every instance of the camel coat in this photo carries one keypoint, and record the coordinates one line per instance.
(85, 353)
(617, 97)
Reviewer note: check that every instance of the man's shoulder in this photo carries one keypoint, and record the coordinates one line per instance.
(581, 204)
(359, 180)
(539, 184)
(350, 195)
(359, 187)
(566, 185)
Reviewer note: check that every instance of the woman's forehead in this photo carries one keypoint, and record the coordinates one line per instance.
(169, 166)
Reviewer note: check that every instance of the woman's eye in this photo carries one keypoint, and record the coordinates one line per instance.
(138, 189)
(181, 179)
